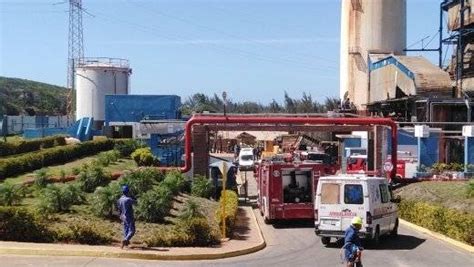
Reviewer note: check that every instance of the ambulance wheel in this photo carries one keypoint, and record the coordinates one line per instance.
(376, 239)
(325, 240)
(394, 232)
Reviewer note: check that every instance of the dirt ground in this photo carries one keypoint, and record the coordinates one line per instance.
(449, 194)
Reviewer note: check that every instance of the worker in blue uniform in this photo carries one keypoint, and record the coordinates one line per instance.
(125, 207)
(352, 244)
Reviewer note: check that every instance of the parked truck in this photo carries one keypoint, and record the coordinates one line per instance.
(286, 189)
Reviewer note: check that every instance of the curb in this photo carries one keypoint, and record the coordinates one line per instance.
(438, 236)
(136, 255)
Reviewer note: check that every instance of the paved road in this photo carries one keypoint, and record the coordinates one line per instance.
(293, 244)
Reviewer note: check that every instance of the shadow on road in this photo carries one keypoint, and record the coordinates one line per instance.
(242, 224)
(401, 242)
(293, 224)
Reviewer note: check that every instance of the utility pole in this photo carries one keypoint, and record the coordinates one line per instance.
(75, 48)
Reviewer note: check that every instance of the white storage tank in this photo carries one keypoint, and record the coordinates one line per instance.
(368, 28)
(96, 77)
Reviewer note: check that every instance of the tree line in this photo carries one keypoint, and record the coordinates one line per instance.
(200, 102)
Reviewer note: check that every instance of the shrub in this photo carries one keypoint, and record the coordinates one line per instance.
(189, 232)
(62, 176)
(41, 178)
(76, 170)
(191, 210)
(103, 159)
(17, 224)
(83, 232)
(90, 178)
(439, 167)
(22, 146)
(470, 189)
(56, 155)
(142, 180)
(59, 199)
(175, 181)
(104, 200)
(10, 194)
(202, 187)
(72, 193)
(231, 206)
(126, 147)
(172, 237)
(457, 167)
(143, 157)
(155, 204)
(450, 222)
(199, 231)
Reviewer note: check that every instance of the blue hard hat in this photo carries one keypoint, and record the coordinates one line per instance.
(125, 189)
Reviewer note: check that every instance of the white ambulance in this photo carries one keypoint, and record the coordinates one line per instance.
(342, 197)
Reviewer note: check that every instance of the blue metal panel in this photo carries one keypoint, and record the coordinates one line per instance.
(134, 108)
(468, 152)
(406, 138)
(391, 61)
(43, 132)
(352, 142)
(428, 150)
(168, 154)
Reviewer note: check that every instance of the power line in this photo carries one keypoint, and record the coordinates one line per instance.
(240, 52)
(207, 28)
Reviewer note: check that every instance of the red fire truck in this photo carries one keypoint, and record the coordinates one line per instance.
(286, 189)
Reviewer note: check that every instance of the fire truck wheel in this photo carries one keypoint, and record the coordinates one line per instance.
(325, 240)
(376, 239)
(267, 220)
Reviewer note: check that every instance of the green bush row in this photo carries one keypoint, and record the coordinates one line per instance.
(19, 147)
(450, 222)
(19, 224)
(127, 146)
(231, 205)
(186, 233)
(56, 155)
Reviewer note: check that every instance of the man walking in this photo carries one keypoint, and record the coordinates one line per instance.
(125, 207)
(352, 245)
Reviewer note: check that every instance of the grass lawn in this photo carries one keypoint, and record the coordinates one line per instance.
(120, 165)
(13, 138)
(449, 194)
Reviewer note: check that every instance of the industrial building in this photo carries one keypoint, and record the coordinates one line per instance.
(381, 80)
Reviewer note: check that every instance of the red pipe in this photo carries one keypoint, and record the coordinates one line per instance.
(286, 120)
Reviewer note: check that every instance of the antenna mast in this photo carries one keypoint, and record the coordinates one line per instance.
(75, 47)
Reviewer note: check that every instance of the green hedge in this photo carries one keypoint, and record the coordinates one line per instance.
(56, 155)
(20, 147)
(450, 222)
(17, 224)
(231, 206)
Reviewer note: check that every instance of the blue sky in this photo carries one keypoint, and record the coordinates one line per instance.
(253, 49)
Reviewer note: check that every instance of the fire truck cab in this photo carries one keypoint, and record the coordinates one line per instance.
(286, 190)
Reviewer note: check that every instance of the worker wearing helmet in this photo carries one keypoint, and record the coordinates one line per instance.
(125, 207)
(352, 245)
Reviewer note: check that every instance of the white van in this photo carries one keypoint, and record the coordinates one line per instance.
(246, 159)
(340, 198)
